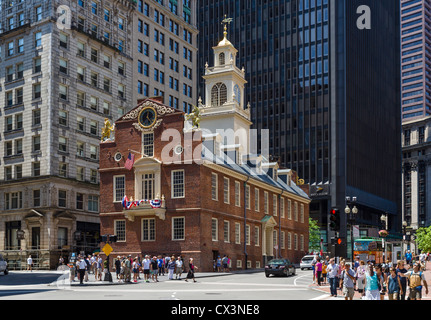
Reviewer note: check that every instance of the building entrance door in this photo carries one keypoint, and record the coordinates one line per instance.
(268, 225)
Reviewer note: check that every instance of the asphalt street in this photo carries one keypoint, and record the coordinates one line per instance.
(209, 286)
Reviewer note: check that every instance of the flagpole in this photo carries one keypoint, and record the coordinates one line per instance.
(134, 151)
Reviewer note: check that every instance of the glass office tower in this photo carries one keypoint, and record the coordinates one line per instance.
(416, 39)
(329, 93)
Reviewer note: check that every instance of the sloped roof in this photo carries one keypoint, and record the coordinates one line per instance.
(247, 170)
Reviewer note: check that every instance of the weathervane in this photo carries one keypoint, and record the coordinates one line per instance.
(226, 21)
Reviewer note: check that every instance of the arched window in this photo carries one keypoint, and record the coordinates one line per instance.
(221, 59)
(218, 94)
(237, 92)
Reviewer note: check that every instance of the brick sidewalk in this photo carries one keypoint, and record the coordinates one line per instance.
(325, 288)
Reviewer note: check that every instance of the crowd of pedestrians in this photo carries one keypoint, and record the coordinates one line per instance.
(400, 281)
(221, 264)
(130, 269)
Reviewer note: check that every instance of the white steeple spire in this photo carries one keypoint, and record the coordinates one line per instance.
(224, 109)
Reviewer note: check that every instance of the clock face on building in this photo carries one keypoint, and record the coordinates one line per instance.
(147, 117)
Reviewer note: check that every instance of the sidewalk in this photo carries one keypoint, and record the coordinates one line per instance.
(325, 288)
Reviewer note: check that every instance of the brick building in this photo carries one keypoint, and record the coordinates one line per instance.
(216, 197)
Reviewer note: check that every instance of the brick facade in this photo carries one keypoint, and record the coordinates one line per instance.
(197, 206)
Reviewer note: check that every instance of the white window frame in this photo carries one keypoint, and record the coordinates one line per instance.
(173, 230)
(274, 205)
(149, 229)
(226, 190)
(237, 194)
(256, 200)
(182, 192)
(256, 236)
(226, 231)
(282, 213)
(289, 209)
(146, 144)
(237, 233)
(247, 234)
(119, 239)
(214, 237)
(289, 241)
(265, 202)
(214, 188)
(247, 197)
(114, 194)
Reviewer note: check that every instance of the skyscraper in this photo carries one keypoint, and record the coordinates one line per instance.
(415, 78)
(328, 90)
(68, 67)
(164, 51)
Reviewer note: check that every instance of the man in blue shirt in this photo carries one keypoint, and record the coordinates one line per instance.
(332, 274)
(408, 257)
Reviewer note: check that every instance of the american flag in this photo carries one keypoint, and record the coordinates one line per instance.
(126, 203)
(129, 162)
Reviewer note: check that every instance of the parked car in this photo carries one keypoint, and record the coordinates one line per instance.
(3, 265)
(306, 262)
(280, 267)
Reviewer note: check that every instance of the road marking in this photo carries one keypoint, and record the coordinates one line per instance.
(296, 279)
(193, 290)
(322, 297)
(250, 284)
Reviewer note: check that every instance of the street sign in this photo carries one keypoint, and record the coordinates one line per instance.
(107, 249)
(356, 232)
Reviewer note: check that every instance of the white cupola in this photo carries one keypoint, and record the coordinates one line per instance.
(224, 107)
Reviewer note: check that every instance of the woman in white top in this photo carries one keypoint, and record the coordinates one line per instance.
(135, 267)
(29, 263)
(360, 276)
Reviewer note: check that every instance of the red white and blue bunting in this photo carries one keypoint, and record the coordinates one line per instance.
(157, 203)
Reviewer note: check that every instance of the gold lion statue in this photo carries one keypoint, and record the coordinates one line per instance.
(195, 116)
(107, 129)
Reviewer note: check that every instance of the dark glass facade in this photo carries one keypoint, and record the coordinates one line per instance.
(328, 92)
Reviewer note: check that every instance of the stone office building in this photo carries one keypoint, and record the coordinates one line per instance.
(165, 52)
(58, 83)
(210, 205)
(416, 199)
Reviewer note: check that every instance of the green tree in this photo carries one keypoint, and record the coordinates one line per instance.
(424, 239)
(314, 235)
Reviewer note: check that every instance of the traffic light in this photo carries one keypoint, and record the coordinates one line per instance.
(334, 219)
(108, 238)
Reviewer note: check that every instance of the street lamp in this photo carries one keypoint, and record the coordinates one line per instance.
(351, 217)
(404, 237)
(384, 219)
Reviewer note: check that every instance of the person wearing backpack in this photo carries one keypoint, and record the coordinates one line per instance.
(347, 284)
(127, 266)
(416, 278)
(393, 283)
(400, 271)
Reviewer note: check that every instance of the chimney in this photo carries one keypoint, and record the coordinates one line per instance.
(158, 99)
